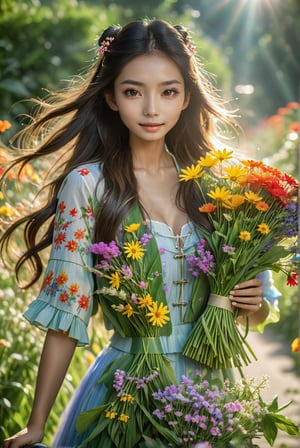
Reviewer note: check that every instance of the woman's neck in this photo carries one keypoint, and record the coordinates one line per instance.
(151, 157)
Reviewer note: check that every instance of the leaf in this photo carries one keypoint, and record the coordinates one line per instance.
(274, 405)
(87, 418)
(269, 429)
(285, 424)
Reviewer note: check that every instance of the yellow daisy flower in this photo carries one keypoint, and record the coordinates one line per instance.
(158, 314)
(252, 197)
(245, 236)
(1, 195)
(220, 194)
(235, 173)
(128, 310)
(208, 161)
(263, 228)
(235, 201)
(7, 210)
(114, 280)
(133, 227)
(191, 172)
(145, 301)
(225, 154)
(134, 250)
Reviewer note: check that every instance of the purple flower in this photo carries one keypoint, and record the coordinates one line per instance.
(159, 414)
(145, 238)
(203, 261)
(168, 408)
(108, 251)
(126, 271)
(228, 249)
(119, 378)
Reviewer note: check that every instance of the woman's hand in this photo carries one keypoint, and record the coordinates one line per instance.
(27, 436)
(247, 297)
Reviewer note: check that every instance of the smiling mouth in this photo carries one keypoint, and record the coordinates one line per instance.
(151, 126)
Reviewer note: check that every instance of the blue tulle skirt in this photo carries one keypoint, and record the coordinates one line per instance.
(91, 393)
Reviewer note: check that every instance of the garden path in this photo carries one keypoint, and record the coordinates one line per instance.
(274, 360)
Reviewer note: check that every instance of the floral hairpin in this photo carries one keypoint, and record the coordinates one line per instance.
(190, 46)
(104, 45)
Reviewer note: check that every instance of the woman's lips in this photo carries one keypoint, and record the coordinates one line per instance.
(151, 127)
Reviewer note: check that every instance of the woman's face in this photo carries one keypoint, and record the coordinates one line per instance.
(149, 95)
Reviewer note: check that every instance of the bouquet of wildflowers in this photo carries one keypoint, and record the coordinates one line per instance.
(133, 301)
(216, 415)
(253, 212)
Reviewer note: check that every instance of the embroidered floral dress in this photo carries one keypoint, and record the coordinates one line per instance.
(65, 301)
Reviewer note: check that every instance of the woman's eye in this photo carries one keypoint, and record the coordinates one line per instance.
(131, 92)
(170, 92)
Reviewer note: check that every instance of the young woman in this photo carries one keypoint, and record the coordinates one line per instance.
(120, 137)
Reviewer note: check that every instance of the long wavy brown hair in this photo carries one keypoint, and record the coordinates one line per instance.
(75, 126)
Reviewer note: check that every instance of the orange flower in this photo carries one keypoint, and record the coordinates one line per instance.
(235, 201)
(294, 127)
(4, 125)
(207, 208)
(292, 105)
(79, 234)
(73, 288)
(261, 206)
(62, 278)
(295, 345)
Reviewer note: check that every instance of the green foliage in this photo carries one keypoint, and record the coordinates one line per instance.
(41, 45)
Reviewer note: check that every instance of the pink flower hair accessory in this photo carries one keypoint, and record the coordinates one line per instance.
(104, 45)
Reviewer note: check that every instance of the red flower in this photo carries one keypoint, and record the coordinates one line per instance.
(71, 246)
(83, 302)
(83, 171)
(60, 238)
(47, 280)
(294, 127)
(63, 297)
(73, 212)
(292, 279)
(62, 207)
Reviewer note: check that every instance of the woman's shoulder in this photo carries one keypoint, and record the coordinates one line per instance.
(86, 177)
(90, 172)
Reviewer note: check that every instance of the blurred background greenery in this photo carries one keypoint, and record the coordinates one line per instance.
(251, 47)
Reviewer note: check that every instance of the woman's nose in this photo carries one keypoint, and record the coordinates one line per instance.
(150, 107)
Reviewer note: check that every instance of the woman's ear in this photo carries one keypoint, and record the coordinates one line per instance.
(110, 100)
(186, 100)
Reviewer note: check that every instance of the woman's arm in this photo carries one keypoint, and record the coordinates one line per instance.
(55, 359)
(247, 296)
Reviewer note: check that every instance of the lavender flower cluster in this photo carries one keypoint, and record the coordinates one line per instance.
(290, 225)
(120, 378)
(203, 261)
(202, 413)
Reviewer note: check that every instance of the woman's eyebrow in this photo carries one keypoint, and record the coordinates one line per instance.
(138, 83)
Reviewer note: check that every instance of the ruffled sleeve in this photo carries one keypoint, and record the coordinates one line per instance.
(271, 295)
(65, 301)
